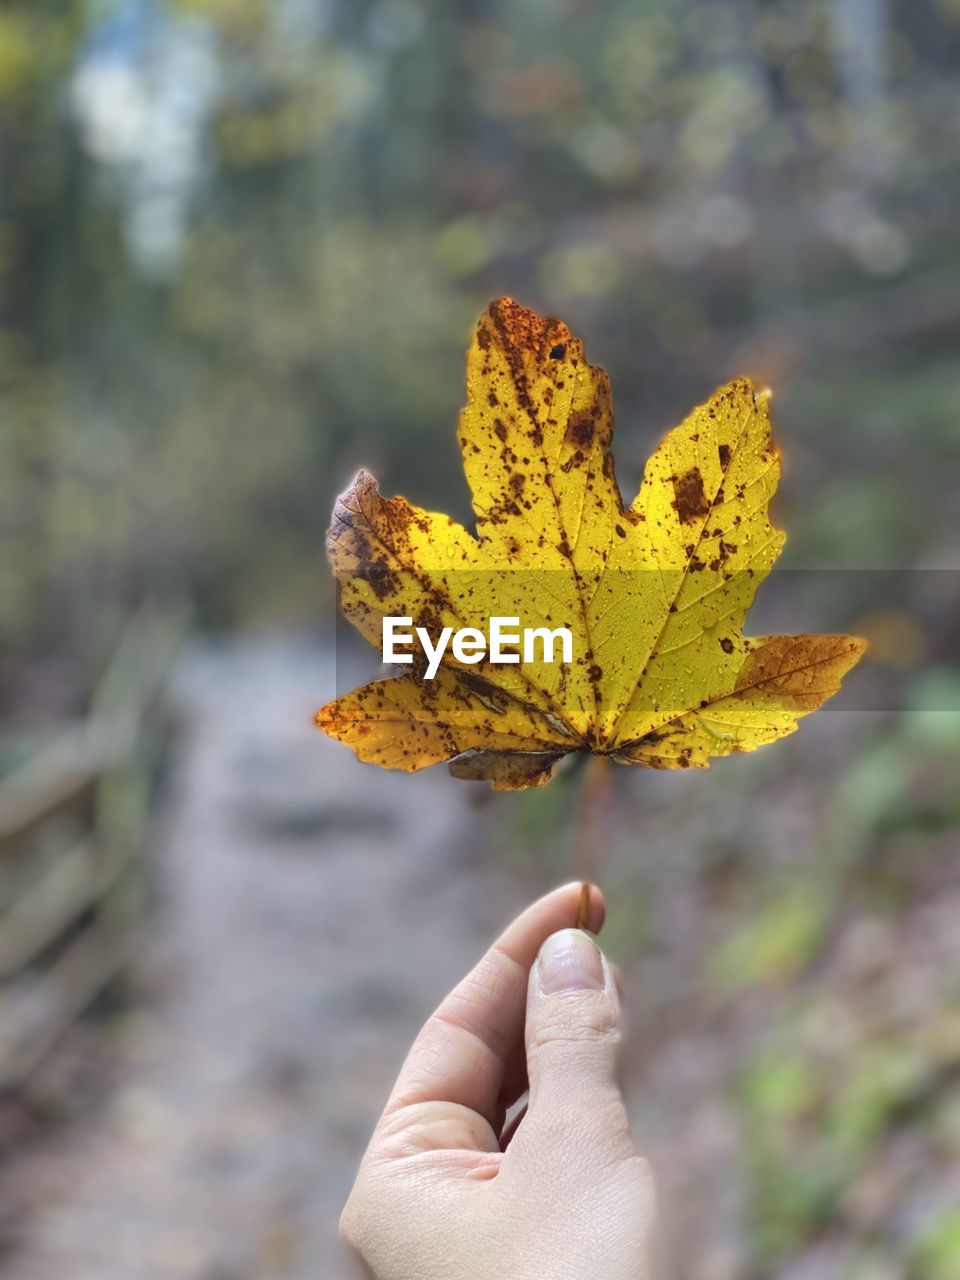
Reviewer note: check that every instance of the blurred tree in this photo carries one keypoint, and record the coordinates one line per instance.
(242, 245)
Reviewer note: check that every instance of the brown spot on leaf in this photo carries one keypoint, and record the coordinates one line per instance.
(690, 499)
(580, 429)
(382, 579)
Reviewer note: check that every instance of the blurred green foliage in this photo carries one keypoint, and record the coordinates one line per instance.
(939, 1255)
(242, 244)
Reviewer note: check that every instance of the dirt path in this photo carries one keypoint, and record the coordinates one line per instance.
(309, 912)
(305, 925)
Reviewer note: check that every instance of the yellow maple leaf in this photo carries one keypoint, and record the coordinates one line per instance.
(654, 596)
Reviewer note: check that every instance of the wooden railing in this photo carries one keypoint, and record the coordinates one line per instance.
(73, 834)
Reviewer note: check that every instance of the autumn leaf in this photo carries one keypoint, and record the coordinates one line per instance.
(653, 595)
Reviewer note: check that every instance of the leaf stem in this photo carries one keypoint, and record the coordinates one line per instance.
(591, 827)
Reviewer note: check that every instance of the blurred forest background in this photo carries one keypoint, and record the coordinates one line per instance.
(242, 246)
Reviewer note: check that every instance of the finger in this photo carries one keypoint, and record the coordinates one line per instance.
(515, 1081)
(572, 1024)
(462, 1053)
(617, 980)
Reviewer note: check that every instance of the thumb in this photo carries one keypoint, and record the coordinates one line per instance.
(572, 1026)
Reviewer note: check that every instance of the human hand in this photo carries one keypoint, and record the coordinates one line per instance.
(443, 1193)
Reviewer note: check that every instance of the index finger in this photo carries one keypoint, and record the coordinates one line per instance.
(461, 1053)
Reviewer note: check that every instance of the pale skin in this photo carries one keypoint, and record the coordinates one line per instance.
(443, 1193)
